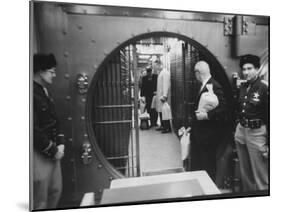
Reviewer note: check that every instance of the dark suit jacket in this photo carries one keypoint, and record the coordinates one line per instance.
(209, 131)
(149, 86)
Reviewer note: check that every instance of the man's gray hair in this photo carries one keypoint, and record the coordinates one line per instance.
(202, 67)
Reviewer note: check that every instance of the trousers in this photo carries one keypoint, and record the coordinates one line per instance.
(251, 144)
(47, 182)
(203, 157)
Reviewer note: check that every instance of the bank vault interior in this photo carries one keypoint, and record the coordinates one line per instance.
(115, 107)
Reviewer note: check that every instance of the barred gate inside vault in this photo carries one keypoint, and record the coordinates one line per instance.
(183, 84)
(113, 112)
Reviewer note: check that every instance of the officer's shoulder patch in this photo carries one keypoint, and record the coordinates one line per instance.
(264, 82)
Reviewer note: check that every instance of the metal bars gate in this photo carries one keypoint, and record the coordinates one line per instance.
(177, 84)
(114, 113)
(191, 57)
(184, 86)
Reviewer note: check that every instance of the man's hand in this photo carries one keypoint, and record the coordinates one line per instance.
(200, 115)
(60, 153)
(182, 131)
(142, 99)
(265, 153)
(163, 99)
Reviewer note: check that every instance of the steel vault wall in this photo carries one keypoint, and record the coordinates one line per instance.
(81, 42)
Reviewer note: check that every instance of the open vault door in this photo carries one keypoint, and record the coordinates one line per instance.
(114, 114)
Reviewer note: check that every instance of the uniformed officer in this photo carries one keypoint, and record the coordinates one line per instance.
(251, 132)
(48, 142)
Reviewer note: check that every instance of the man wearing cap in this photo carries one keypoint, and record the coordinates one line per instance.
(251, 131)
(48, 141)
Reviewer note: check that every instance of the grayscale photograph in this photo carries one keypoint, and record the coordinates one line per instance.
(138, 105)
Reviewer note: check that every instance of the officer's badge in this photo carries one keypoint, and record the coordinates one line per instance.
(256, 97)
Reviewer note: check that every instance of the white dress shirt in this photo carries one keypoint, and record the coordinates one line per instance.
(204, 83)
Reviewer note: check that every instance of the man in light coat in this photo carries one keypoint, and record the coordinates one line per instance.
(162, 94)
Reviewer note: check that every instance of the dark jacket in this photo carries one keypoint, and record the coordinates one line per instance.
(253, 104)
(46, 132)
(149, 85)
(209, 131)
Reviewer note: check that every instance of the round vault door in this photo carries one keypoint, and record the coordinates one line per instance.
(114, 108)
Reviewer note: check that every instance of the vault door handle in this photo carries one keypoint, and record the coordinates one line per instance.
(86, 153)
(82, 83)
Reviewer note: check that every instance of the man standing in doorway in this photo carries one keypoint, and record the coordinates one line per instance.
(48, 141)
(162, 94)
(148, 88)
(207, 126)
(251, 132)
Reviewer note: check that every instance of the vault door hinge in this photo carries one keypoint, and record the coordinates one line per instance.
(228, 26)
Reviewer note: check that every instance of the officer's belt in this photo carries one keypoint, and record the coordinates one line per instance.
(251, 123)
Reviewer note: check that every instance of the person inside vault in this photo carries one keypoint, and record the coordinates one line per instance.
(163, 97)
(148, 88)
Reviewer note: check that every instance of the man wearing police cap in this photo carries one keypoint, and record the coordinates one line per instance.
(251, 132)
(48, 141)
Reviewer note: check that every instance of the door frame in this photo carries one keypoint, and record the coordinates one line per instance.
(92, 138)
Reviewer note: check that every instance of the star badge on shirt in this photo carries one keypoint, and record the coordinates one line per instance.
(256, 97)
